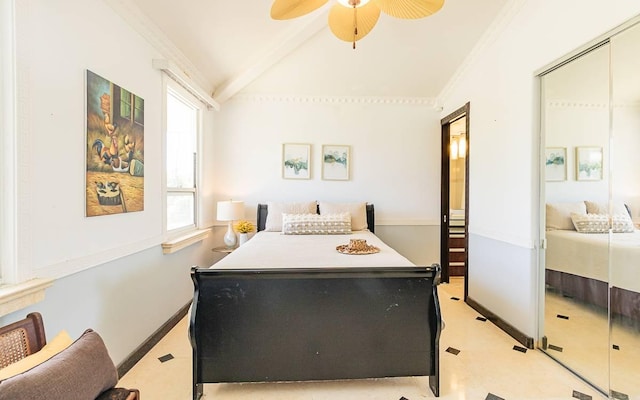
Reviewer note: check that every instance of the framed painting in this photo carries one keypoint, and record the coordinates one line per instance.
(555, 164)
(296, 161)
(114, 148)
(589, 163)
(336, 161)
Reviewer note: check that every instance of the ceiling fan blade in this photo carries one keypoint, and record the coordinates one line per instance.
(342, 23)
(409, 9)
(287, 9)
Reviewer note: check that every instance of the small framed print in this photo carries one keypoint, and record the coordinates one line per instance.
(296, 161)
(336, 160)
(555, 164)
(589, 163)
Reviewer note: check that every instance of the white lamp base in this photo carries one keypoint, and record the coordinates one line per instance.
(230, 237)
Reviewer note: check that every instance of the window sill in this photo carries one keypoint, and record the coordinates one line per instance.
(22, 295)
(183, 241)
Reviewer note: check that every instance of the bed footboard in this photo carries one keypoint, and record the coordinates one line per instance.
(309, 324)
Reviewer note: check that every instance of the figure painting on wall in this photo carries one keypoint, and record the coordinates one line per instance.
(115, 148)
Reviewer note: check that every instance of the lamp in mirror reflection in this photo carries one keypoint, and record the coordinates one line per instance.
(230, 211)
(458, 146)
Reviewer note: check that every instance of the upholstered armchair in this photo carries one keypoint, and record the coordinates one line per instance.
(60, 370)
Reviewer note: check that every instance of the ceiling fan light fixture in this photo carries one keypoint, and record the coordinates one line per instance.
(351, 20)
(353, 3)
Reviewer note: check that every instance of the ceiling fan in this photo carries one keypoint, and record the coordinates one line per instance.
(351, 20)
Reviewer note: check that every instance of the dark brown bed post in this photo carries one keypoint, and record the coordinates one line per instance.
(197, 387)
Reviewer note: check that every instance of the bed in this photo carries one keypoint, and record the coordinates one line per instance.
(584, 265)
(292, 308)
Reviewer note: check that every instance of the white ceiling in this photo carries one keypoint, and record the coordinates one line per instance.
(237, 47)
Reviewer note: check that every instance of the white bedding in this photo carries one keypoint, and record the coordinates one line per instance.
(587, 254)
(275, 250)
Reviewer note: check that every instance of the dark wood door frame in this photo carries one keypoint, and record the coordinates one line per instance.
(445, 175)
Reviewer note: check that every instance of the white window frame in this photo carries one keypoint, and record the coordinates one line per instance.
(9, 273)
(171, 86)
(16, 292)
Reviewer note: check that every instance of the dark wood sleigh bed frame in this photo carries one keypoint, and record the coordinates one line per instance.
(308, 324)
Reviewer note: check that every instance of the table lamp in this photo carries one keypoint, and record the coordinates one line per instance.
(229, 211)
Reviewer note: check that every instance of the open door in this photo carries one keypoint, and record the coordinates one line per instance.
(455, 195)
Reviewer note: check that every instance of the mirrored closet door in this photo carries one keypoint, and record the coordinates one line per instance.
(591, 169)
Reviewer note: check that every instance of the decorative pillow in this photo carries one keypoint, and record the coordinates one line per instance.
(60, 342)
(559, 214)
(314, 224)
(81, 371)
(358, 213)
(603, 208)
(275, 211)
(622, 223)
(599, 223)
(591, 223)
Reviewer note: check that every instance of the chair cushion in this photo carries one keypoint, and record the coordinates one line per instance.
(60, 342)
(80, 372)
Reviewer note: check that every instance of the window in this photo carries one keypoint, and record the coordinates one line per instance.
(182, 127)
(8, 173)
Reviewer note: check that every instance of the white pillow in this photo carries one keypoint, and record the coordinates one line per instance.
(358, 213)
(622, 223)
(559, 214)
(603, 207)
(599, 223)
(275, 211)
(591, 223)
(315, 224)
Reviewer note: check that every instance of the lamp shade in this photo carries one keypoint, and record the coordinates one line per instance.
(230, 210)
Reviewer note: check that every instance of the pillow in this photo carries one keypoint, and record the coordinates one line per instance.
(275, 211)
(358, 213)
(559, 214)
(603, 208)
(81, 371)
(314, 224)
(60, 342)
(599, 223)
(622, 223)
(591, 223)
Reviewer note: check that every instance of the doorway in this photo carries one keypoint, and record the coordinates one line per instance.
(454, 238)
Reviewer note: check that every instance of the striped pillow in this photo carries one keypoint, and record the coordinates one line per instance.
(316, 224)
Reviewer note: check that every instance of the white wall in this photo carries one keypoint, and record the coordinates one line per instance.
(111, 273)
(395, 152)
(500, 84)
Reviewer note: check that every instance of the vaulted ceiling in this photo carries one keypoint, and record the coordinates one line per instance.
(236, 47)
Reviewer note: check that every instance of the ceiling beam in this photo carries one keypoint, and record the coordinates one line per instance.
(272, 56)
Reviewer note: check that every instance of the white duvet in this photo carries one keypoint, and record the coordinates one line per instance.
(591, 256)
(275, 250)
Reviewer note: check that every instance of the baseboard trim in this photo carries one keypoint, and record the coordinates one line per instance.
(523, 339)
(151, 341)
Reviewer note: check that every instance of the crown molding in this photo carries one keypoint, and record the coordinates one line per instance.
(575, 104)
(504, 17)
(132, 14)
(266, 98)
(557, 103)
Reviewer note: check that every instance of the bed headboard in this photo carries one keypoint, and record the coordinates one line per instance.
(263, 211)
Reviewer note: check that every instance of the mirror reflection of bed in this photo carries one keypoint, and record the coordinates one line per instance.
(591, 321)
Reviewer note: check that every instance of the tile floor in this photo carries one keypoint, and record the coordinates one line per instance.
(579, 336)
(486, 367)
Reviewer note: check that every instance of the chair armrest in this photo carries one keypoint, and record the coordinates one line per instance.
(119, 394)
